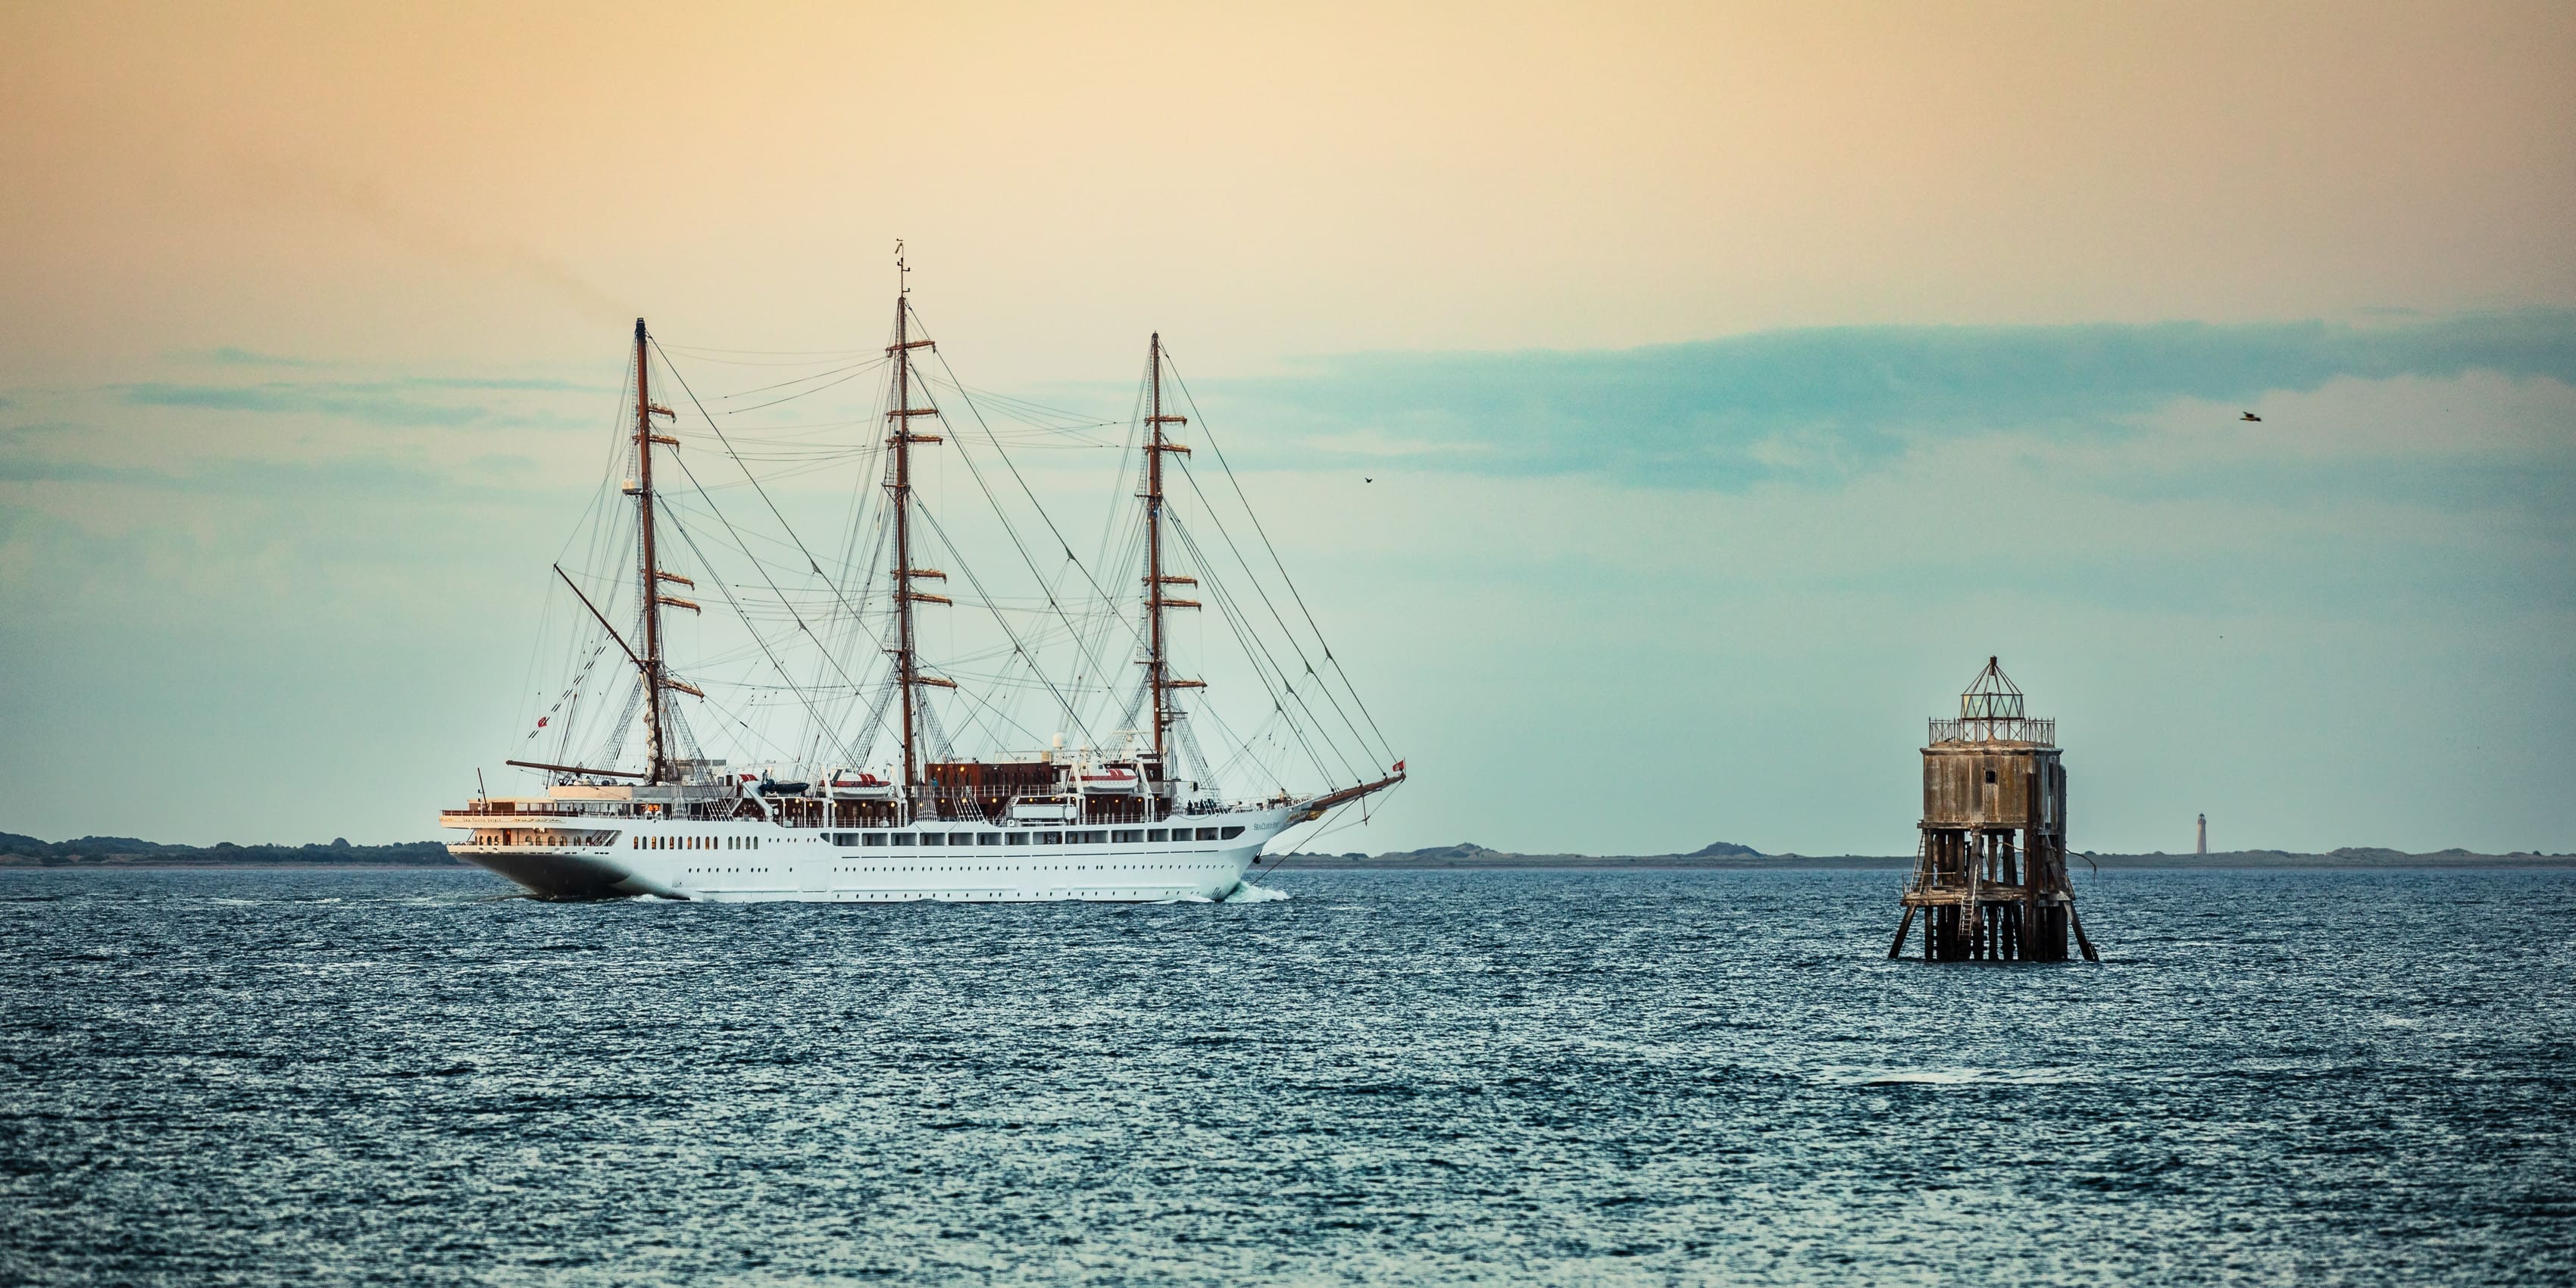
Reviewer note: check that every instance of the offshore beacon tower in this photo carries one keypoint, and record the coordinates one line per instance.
(1990, 870)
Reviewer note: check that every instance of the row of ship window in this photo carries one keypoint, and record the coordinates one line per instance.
(907, 896)
(1077, 867)
(1064, 867)
(1105, 836)
(692, 842)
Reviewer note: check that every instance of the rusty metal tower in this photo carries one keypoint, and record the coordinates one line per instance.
(1990, 872)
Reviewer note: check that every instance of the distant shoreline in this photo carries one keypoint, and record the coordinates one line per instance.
(1467, 858)
(2178, 863)
(244, 869)
(18, 851)
(1783, 863)
(128, 853)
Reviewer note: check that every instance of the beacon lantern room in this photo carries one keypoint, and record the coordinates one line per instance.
(1993, 766)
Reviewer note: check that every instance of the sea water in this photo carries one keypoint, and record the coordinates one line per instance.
(1563, 1077)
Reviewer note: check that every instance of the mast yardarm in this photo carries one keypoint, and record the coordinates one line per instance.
(899, 488)
(1158, 662)
(649, 572)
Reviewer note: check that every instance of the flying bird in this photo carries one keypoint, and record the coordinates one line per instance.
(1365, 479)
(2249, 416)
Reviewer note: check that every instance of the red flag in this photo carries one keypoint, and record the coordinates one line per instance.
(541, 721)
(1399, 766)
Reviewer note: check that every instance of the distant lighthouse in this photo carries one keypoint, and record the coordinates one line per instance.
(2204, 836)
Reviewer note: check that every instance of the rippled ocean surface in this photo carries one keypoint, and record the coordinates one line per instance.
(1560, 1077)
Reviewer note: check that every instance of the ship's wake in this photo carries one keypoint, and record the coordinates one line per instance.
(1246, 892)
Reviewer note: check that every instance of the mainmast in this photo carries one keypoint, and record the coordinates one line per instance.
(908, 674)
(1158, 661)
(657, 768)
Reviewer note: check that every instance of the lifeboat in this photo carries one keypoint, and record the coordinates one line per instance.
(857, 785)
(1052, 809)
(1114, 780)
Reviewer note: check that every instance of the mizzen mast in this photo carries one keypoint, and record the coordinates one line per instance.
(1158, 661)
(908, 674)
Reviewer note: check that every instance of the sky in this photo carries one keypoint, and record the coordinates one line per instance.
(1728, 382)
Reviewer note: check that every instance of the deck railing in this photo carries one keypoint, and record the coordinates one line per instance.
(1996, 729)
(932, 806)
(558, 809)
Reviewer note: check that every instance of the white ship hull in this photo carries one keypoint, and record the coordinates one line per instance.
(750, 860)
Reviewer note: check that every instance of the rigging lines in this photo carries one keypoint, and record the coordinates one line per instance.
(999, 620)
(810, 562)
(1067, 616)
(1227, 608)
(727, 591)
(1010, 529)
(1384, 747)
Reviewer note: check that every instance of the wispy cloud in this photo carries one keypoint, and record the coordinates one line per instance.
(23, 469)
(1821, 405)
(409, 401)
(535, 386)
(233, 357)
(358, 479)
(375, 404)
(308, 184)
(2445, 483)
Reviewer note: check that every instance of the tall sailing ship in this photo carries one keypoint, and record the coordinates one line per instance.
(880, 807)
